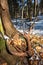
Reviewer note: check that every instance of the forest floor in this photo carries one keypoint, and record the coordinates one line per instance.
(35, 39)
(2, 61)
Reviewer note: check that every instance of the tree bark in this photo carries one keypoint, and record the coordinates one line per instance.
(9, 29)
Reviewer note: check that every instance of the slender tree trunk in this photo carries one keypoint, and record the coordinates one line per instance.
(22, 8)
(22, 11)
(29, 3)
(35, 3)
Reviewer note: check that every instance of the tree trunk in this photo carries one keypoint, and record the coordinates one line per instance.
(29, 3)
(22, 11)
(35, 3)
(9, 29)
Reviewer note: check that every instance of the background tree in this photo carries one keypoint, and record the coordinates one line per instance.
(29, 4)
(35, 8)
(41, 6)
(22, 8)
(13, 8)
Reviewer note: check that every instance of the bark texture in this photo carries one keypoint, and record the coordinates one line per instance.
(9, 29)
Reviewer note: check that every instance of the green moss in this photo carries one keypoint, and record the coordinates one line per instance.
(2, 43)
